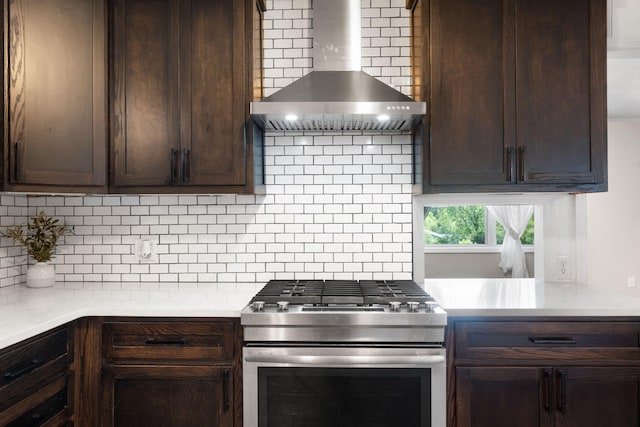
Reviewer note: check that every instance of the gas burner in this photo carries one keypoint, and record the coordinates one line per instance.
(342, 292)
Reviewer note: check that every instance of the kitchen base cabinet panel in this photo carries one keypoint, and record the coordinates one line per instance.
(598, 397)
(160, 396)
(36, 381)
(499, 397)
(563, 397)
(171, 372)
(558, 372)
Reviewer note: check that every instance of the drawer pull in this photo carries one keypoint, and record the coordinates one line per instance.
(11, 376)
(552, 340)
(152, 341)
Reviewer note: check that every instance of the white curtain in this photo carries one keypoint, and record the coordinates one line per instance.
(514, 219)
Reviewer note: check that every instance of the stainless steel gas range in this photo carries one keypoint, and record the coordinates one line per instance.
(344, 353)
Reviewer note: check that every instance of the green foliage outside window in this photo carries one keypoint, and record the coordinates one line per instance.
(464, 225)
(455, 225)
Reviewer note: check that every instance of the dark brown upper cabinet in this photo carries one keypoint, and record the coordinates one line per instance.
(182, 78)
(516, 95)
(54, 106)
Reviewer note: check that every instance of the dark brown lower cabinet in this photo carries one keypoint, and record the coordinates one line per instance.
(36, 378)
(171, 372)
(168, 396)
(594, 396)
(496, 397)
(533, 396)
(551, 372)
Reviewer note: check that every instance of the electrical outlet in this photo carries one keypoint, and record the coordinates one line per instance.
(631, 281)
(145, 250)
(564, 268)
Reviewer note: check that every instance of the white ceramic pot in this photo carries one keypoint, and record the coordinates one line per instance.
(41, 275)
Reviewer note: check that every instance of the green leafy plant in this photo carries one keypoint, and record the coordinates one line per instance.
(39, 236)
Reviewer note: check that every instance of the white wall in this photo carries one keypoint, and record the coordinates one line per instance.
(473, 265)
(612, 222)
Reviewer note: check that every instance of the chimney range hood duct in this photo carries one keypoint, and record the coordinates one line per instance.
(337, 95)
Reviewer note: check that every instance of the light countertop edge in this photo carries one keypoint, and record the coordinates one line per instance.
(25, 312)
(528, 298)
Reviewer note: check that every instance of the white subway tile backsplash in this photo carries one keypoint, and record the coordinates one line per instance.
(338, 206)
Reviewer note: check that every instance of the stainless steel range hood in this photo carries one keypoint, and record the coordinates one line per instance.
(337, 95)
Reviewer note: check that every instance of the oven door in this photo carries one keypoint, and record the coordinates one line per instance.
(344, 386)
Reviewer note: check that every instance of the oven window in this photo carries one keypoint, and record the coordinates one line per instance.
(335, 397)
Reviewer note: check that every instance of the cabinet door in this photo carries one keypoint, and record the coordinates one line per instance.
(164, 396)
(518, 95)
(503, 397)
(213, 95)
(471, 110)
(595, 397)
(144, 93)
(561, 91)
(55, 95)
(180, 82)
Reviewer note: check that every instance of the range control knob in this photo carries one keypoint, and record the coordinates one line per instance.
(283, 305)
(413, 306)
(394, 305)
(431, 306)
(257, 305)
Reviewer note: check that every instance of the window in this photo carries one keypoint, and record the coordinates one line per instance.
(467, 225)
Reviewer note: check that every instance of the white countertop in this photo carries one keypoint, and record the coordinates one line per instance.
(525, 297)
(26, 312)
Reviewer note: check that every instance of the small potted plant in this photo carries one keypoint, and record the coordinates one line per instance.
(40, 237)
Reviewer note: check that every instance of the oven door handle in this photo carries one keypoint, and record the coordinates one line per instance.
(321, 360)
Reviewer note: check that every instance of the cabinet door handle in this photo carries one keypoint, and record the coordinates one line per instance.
(561, 390)
(546, 389)
(186, 165)
(225, 390)
(32, 366)
(174, 166)
(153, 341)
(522, 163)
(552, 340)
(511, 165)
(16, 162)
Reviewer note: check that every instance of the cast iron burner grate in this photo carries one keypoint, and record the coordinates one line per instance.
(342, 292)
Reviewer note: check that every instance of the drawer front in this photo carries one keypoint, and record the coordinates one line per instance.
(25, 367)
(52, 411)
(168, 341)
(23, 359)
(548, 340)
